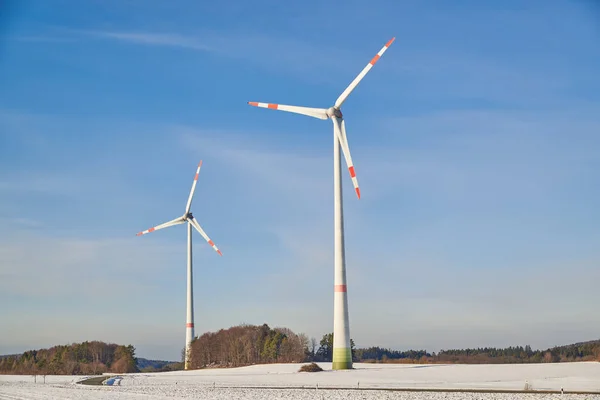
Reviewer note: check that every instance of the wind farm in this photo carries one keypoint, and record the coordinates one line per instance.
(462, 265)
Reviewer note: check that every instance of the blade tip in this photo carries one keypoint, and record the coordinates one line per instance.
(388, 44)
(253, 103)
(139, 234)
(358, 193)
(200, 164)
(219, 251)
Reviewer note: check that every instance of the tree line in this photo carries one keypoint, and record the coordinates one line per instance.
(259, 344)
(247, 345)
(252, 344)
(585, 351)
(87, 358)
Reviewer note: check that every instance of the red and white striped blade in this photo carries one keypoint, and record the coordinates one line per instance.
(340, 130)
(196, 225)
(191, 196)
(340, 100)
(176, 221)
(349, 160)
(319, 113)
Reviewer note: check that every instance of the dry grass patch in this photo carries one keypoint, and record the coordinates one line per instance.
(312, 367)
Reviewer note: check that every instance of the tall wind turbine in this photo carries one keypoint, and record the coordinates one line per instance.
(342, 355)
(191, 221)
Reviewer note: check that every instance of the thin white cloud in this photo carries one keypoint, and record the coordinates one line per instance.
(274, 53)
(152, 39)
(456, 75)
(20, 222)
(525, 153)
(20, 125)
(443, 304)
(296, 174)
(89, 289)
(59, 184)
(36, 266)
(43, 39)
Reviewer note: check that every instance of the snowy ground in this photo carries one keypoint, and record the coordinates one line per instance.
(251, 383)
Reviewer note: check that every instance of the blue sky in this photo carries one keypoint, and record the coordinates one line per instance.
(475, 141)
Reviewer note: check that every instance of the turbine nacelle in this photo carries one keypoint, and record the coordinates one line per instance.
(334, 112)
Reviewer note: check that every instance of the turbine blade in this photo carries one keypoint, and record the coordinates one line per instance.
(320, 113)
(191, 196)
(340, 100)
(340, 130)
(196, 225)
(176, 221)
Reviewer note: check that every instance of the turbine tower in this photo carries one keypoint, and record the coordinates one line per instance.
(191, 221)
(342, 355)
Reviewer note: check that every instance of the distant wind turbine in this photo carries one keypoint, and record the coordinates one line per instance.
(342, 355)
(189, 218)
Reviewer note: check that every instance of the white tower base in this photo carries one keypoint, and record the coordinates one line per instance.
(342, 354)
(189, 325)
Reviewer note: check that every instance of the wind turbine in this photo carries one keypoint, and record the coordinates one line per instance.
(342, 355)
(191, 221)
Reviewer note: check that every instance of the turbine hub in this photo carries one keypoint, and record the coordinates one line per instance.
(333, 111)
(188, 216)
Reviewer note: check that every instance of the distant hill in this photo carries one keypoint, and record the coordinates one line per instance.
(580, 344)
(146, 365)
(87, 358)
(261, 345)
(582, 351)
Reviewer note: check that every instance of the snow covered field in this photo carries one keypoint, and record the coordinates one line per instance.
(286, 383)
